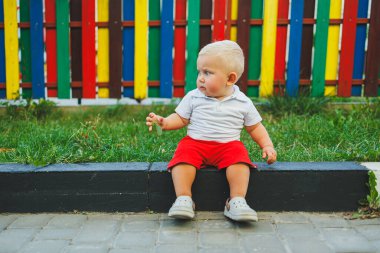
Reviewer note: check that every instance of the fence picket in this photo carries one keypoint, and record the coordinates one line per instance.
(25, 43)
(37, 48)
(333, 47)
(11, 49)
(295, 45)
(192, 45)
(269, 47)
(167, 41)
(51, 50)
(320, 49)
(2, 54)
(359, 58)
(63, 55)
(141, 60)
(347, 48)
(128, 47)
(103, 49)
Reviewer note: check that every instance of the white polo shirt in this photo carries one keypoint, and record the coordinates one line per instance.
(217, 120)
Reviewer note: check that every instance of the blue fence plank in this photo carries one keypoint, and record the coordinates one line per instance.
(295, 44)
(37, 48)
(2, 52)
(359, 55)
(167, 41)
(128, 46)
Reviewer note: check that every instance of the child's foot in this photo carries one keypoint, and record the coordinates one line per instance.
(237, 209)
(183, 208)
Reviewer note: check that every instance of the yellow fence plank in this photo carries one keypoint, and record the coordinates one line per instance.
(333, 47)
(268, 47)
(141, 46)
(103, 48)
(234, 15)
(11, 49)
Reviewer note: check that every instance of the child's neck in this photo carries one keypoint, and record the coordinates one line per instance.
(229, 92)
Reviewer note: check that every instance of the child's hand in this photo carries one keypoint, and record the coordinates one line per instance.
(270, 153)
(154, 119)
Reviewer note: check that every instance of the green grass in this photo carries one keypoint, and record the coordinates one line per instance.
(118, 134)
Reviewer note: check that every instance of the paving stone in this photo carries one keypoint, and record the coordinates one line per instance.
(5, 220)
(309, 245)
(347, 240)
(46, 246)
(263, 244)
(290, 217)
(297, 230)
(86, 249)
(11, 240)
(173, 224)
(265, 215)
(220, 250)
(97, 231)
(31, 221)
(67, 221)
(328, 220)
(57, 233)
(216, 225)
(177, 237)
(133, 250)
(376, 244)
(177, 248)
(260, 227)
(221, 238)
(135, 239)
(371, 232)
(142, 217)
(209, 215)
(140, 225)
(359, 222)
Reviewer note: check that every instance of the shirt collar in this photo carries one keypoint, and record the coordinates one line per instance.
(237, 94)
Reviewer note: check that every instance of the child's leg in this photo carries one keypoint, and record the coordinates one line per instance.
(238, 179)
(183, 176)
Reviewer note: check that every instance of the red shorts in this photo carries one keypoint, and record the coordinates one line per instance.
(201, 153)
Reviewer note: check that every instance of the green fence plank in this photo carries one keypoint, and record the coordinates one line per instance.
(320, 50)
(192, 44)
(154, 48)
(26, 71)
(63, 54)
(255, 47)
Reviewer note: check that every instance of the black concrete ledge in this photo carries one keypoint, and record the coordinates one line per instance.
(110, 187)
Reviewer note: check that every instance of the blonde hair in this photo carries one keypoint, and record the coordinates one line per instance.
(230, 54)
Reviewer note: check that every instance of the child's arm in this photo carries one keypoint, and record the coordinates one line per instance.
(260, 135)
(172, 122)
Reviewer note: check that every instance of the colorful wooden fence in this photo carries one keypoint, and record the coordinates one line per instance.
(139, 49)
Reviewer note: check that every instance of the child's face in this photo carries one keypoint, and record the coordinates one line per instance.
(212, 77)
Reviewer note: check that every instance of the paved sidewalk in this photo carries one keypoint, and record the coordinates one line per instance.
(209, 232)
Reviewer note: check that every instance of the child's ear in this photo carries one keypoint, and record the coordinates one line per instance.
(232, 78)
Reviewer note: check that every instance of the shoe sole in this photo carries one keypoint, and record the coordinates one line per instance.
(181, 214)
(247, 217)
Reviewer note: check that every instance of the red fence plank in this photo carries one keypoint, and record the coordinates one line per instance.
(282, 30)
(179, 50)
(51, 48)
(219, 20)
(88, 48)
(347, 48)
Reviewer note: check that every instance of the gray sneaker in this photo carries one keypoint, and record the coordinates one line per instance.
(237, 209)
(183, 208)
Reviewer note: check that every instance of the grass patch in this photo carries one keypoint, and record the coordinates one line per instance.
(119, 134)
